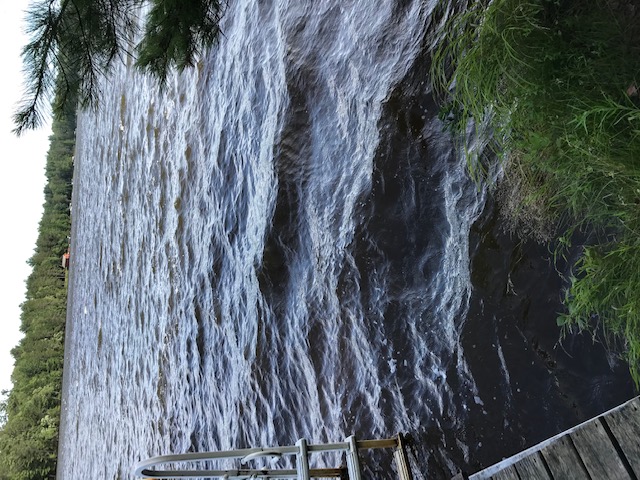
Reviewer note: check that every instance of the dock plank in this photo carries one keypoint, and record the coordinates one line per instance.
(532, 467)
(624, 423)
(605, 446)
(598, 453)
(508, 473)
(563, 460)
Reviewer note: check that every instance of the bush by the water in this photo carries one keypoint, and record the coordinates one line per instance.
(557, 84)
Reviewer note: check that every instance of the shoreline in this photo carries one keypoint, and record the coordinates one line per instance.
(62, 428)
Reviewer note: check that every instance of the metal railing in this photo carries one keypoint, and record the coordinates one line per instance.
(301, 450)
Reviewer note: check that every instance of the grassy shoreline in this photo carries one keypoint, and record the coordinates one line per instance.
(557, 85)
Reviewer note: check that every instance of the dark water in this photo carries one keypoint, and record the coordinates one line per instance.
(284, 243)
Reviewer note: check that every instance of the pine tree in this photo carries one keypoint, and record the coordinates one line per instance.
(176, 33)
(74, 42)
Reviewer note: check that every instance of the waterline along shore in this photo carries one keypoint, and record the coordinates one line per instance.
(556, 84)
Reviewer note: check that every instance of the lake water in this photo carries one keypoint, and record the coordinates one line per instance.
(284, 243)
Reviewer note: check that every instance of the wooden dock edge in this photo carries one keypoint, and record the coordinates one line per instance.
(489, 472)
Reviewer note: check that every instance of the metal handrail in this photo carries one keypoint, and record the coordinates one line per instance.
(146, 468)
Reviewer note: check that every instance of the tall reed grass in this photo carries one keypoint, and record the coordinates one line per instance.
(557, 83)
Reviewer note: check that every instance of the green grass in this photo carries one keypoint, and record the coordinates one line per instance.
(553, 83)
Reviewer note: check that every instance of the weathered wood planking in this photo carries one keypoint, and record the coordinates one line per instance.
(532, 467)
(563, 460)
(597, 452)
(605, 447)
(625, 426)
(508, 473)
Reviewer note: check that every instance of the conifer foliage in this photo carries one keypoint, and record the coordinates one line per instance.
(176, 33)
(75, 42)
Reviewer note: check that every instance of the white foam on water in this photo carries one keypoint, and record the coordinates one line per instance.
(177, 196)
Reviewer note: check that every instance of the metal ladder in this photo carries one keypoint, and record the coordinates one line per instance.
(301, 450)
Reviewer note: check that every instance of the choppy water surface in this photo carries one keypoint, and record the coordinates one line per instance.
(281, 244)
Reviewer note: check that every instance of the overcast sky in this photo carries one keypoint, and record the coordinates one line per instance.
(21, 186)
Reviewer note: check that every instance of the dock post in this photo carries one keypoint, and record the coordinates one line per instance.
(302, 460)
(353, 462)
(402, 462)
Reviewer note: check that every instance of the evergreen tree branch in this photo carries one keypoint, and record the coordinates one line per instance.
(39, 56)
(77, 42)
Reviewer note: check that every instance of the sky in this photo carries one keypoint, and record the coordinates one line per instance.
(21, 185)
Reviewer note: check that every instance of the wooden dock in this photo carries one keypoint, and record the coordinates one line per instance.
(605, 447)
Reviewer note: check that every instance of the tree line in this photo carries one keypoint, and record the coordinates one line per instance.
(31, 412)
